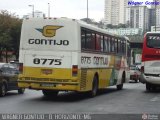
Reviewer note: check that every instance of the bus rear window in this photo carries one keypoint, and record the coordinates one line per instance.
(153, 40)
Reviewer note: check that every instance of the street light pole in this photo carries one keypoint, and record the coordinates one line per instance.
(48, 9)
(87, 12)
(32, 10)
(87, 9)
(155, 15)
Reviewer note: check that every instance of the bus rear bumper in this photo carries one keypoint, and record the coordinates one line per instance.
(69, 86)
(150, 79)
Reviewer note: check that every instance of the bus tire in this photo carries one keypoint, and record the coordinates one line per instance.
(120, 86)
(21, 90)
(3, 90)
(94, 90)
(50, 93)
(148, 87)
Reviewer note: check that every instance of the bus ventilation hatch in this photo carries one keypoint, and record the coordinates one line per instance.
(83, 79)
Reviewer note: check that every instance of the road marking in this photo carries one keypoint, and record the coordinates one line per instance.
(154, 99)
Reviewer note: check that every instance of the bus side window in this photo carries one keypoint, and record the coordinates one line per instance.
(112, 45)
(121, 43)
(122, 46)
(119, 46)
(93, 40)
(102, 43)
(125, 42)
(83, 39)
(88, 40)
(128, 49)
(109, 44)
(105, 44)
(98, 42)
(116, 45)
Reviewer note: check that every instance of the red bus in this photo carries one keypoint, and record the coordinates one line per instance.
(151, 60)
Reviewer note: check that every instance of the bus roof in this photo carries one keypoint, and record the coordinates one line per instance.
(153, 32)
(82, 24)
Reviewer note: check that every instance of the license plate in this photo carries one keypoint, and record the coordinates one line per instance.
(46, 71)
(48, 85)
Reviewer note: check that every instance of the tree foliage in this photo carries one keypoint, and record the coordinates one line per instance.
(116, 26)
(10, 27)
(136, 38)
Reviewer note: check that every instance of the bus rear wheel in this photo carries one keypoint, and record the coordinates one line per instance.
(148, 86)
(50, 93)
(3, 90)
(120, 87)
(94, 90)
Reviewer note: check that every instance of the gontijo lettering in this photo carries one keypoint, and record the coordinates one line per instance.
(48, 42)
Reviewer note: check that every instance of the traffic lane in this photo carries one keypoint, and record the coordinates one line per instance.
(34, 101)
(132, 100)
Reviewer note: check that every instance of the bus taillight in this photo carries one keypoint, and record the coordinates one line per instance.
(142, 69)
(74, 70)
(21, 68)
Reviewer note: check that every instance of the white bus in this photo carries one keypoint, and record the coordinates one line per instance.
(62, 54)
(150, 69)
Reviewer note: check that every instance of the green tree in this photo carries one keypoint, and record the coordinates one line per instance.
(136, 38)
(122, 25)
(109, 26)
(15, 35)
(10, 27)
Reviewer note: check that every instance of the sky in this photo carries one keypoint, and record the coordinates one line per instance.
(76, 9)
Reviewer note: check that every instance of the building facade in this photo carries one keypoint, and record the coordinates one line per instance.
(37, 14)
(126, 31)
(155, 17)
(138, 17)
(158, 16)
(115, 11)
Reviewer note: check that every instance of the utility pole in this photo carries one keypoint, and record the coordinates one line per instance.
(155, 15)
(87, 11)
(32, 10)
(48, 10)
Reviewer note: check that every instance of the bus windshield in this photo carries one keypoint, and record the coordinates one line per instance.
(153, 41)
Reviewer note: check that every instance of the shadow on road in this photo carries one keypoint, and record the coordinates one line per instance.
(11, 93)
(156, 90)
(74, 96)
(63, 96)
(132, 81)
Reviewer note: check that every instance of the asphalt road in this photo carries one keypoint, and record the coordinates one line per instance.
(132, 100)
